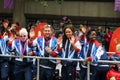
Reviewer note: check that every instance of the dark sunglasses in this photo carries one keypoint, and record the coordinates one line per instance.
(23, 36)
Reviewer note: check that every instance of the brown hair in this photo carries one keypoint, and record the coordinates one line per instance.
(70, 26)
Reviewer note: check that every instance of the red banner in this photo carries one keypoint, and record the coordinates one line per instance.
(114, 40)
(39, 29)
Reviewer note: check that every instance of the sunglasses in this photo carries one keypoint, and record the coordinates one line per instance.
(23, 36)
(47, 26)
(93, 34)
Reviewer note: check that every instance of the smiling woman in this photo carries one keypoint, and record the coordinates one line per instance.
(69, 47)
(20, 47)
(23, 34)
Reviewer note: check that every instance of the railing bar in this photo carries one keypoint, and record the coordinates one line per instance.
(38, 68)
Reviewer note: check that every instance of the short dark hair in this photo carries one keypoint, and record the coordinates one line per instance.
(107, 28)
(89, 32)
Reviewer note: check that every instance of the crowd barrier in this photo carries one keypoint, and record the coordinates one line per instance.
(88, 64)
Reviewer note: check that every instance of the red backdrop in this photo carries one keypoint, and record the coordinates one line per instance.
(39, 28)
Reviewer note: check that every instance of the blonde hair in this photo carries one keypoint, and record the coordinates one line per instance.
(23, 30)
(47, 26)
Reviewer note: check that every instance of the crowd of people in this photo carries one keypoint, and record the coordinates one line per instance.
(86, 44)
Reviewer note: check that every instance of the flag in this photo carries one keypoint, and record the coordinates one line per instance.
(8, 4)
(117, 5)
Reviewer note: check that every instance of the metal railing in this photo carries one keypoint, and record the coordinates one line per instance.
(51, 58)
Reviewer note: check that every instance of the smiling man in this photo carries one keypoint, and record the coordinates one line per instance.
(45, 46)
